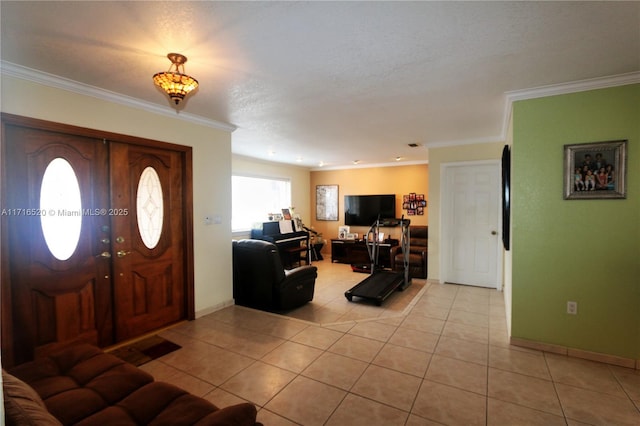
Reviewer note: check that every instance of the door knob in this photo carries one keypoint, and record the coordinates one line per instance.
(494, 233)
(122, 253)
(104, 254)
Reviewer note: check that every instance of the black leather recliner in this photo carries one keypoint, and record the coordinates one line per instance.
(261, 282)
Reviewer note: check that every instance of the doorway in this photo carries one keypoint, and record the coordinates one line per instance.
(95, 237)
(471, 223)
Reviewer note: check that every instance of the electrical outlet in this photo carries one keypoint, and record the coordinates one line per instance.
(572, 307)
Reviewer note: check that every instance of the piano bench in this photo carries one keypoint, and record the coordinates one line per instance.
(295, 255)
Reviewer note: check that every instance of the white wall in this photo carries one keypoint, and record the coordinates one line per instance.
(211, 168)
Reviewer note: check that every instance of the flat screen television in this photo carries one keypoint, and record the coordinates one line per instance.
(363, 210)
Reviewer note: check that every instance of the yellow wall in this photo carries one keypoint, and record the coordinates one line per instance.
(211, 168)
(437, 157)
(398, 180)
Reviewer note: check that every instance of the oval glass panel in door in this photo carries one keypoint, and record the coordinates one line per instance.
(60, 208)
(150, 207)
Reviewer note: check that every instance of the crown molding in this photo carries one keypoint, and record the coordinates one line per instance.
(573, 87)
(50, 80)
(369, 166)
(563, 89)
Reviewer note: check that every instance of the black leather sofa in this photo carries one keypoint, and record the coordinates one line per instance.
(261, 282)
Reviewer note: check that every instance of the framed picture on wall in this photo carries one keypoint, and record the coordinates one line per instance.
(596, 170)
(327, 202)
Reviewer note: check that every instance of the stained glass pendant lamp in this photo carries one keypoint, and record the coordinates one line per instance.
(175, 82)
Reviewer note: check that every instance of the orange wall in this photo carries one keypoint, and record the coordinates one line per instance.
(398, 180)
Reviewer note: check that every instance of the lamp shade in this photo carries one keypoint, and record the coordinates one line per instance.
(175, 82)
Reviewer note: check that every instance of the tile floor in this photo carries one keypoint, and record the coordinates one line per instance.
(433, 354)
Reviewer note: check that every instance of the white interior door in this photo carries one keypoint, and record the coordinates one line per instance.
(471, 224)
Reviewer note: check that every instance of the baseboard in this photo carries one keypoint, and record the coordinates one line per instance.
(214, 308)
(576, 353)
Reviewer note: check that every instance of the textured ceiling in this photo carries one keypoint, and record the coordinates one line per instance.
(331, 82)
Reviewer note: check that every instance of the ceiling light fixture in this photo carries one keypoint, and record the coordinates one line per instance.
(175, 82)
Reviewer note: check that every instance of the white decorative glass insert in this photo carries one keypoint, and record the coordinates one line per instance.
(60, 208)
(150, 210)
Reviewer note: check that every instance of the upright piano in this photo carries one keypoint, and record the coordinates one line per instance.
(291, 242)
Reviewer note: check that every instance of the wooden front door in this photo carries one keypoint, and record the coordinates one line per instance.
(76, 269)
(147, 200)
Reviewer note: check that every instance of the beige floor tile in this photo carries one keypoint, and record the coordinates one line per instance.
(501, 413)
(404, 360)
(266, 417)
(524, 390)
(469, 318)
(597, 408)
(160, 370)
(583, 374)
(252, 344)
(446, 291)
(258, 383)
(499, 337)
(466, 332)
(373, 330)
(414, 420)
(449, 405)
(415, 339)
(318, 337)
(460, 374)
(292, 356)
(166, 373)
(357, 363)
(357, 411)
(429, 300)
(336, 370)
(218, 368)
(306, 401)
(388, 387)
(357, 347)
(470, 305)
(428, 310)
(464, 350)
(318, 314)
(524, 362)
(221, 398)
(630, 381)
(418, 322)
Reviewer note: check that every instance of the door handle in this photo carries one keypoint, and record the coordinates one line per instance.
(494, 233)
(104, 254)
(122, 253)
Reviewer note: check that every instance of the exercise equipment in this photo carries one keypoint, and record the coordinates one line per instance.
(381, 283)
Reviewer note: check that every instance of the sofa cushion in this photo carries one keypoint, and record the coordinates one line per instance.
(82, 385)
(22, 405)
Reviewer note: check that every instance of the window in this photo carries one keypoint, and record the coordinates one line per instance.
(253, 198)
(150, 207)
(61, 204)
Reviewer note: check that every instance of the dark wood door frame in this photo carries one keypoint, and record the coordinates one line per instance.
(186, 157)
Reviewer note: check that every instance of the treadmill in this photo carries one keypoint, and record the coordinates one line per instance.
(381, 283)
